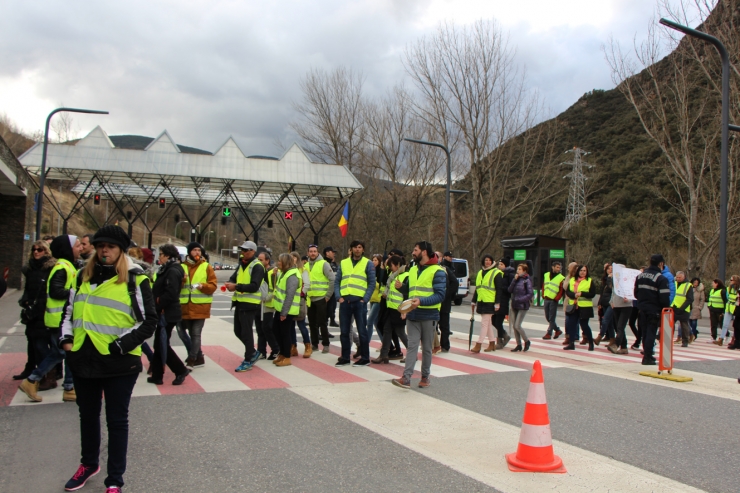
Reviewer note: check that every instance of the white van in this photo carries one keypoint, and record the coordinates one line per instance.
(460, 266)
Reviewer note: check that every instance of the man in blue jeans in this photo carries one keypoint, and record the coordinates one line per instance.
(354, 285)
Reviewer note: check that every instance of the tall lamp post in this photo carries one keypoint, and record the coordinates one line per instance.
(449, 181)
(726, 127)
(176, 225)
(42, 177)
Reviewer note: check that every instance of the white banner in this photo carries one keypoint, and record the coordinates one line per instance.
(624, 281)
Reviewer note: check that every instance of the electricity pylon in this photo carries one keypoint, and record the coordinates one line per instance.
(577, 195)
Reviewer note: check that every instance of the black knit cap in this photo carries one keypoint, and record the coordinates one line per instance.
(115, 235)
(195, 244)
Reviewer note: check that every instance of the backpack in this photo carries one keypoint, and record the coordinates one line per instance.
(452, 285)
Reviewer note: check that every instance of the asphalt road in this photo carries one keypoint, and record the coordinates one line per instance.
(276, 439)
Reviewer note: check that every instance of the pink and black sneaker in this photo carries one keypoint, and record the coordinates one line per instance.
(81, 476)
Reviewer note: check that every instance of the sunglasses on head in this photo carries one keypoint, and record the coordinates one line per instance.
(36, 249)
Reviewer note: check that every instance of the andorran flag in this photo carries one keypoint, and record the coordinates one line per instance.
(344, 220)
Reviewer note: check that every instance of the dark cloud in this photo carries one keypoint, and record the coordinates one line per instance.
(212, 69)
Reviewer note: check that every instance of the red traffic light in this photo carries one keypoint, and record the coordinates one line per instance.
(288, 215)
(96, 199)
(161, 204)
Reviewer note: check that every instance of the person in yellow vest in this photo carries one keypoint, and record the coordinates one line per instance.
(245, 283)
(109, 314)
(395, 291)
(580, 292)
(264, 324)
(732, 301)
(66, 249)
(682, 307)
(552, 291)
(287, 304)
(427, 287)
(196, 297)
(485, 302)
(716, 304)
(320, 293)
(355, 286)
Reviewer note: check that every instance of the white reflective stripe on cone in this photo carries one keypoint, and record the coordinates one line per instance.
(535, 435)
(536, 394)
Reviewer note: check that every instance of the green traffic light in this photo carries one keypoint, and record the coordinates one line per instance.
(227, 212)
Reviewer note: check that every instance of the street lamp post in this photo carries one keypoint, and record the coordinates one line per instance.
(205, 242)
(726, 127)
(42, 177)
(449, 181)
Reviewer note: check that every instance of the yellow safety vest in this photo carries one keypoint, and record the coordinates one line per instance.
(103, 314)
(55, 307)
(680, 298)
(280, 292)
(394, 296)
(423, 287)
(270, 290)
(583, 287)
(484, 284)
(731, 299)
(319, 282)
(244, 276)
(552, 286)
(715, 299)
(187, 293)
(354, 278)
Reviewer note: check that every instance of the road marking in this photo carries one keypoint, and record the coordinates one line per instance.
(703, 383)
(12, 330)
(473, 444)
(2, 341)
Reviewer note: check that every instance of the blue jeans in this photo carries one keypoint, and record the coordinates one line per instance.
(607, 329)
(304, 333)
(184, 337)
(372, 320)
(53, 356)
(694, 329)
(347, 311)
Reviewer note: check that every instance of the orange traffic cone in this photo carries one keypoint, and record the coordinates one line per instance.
(534, 453)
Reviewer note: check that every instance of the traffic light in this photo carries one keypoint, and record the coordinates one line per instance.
(226, 212)
(129, 215)
(223, 221)
(288, 215)
(96, 199)
(162, 204)
(269, 223)
(177, 218)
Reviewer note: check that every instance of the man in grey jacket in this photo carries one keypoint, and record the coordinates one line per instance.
(320, 292)
(422, 320)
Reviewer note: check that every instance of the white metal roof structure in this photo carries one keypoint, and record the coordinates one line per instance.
(190, 176)
(193, 178)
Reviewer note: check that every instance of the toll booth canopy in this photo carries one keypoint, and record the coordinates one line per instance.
(538, 251)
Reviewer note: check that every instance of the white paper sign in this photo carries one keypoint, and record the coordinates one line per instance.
(624, 281)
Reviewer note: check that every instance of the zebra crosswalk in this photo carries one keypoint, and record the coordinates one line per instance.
(221, 359)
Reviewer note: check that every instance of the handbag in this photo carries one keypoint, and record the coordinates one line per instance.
(569, 308)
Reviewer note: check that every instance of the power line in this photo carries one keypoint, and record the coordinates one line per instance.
(577, 194)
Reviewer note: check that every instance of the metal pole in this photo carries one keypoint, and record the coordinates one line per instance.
(725, 151)
(449, 182)
(42, 177)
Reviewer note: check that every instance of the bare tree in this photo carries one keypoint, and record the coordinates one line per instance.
(677, 101)
(331, 115)
(474, 96)
(63, 125)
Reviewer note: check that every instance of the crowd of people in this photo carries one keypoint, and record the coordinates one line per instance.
(90, 304)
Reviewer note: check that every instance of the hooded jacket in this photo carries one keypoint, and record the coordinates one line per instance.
(521, 292)
(698, 305)
(671, 281)
(61, 248)
(199, 311)
(166, 291)
(33, 298)
(87, 362)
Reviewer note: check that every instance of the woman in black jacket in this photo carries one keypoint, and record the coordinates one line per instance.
(106, 369)
(606, 314)
(166, 292)
(33, 304)
(581, 291)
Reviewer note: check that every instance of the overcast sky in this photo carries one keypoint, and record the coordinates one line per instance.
(207, 70)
